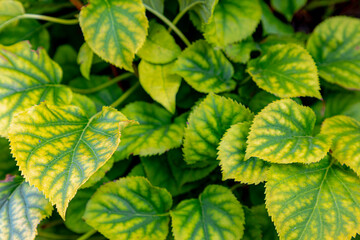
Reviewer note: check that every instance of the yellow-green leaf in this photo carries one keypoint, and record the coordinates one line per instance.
(22, 207)
(160, 83)
(216, 215)
(315, 201)
(27, 78)
(334, 44)
(115, 29)
(288, 7)
(233, 21)
(84, 103)
(199, 9)
(85, 59)
(286, 70)
(232, 157)
(59, 148)
(9, 10)
(282, 133)
(205, 69)
(240, 52)
(130, 209)
(99, 174)
(346, 142)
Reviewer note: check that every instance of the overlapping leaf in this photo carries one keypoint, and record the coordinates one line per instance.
(8, 10)
(115, 29)
(334, 44)
(202, 10)
(271, 24)
(282, 133)
(84, 103)
(22, 207)
(58, 148)
(157, 5)
(286, 70)
(85, 59)
(215, 215)
(99, 174)
(205, 69)
(316, 201)
(27, 78)
(232, 21)
(288, 7)
(207, 124)
(130, 208)
(346, 143)
(240, 52)
(7, 163)
(232, 157)
(155, 134)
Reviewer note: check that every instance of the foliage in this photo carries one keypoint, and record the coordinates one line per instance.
(187, 119)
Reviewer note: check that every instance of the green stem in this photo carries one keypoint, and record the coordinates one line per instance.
(104, 85)
(182, 13)
(123, 97)
(170, 24)
(87, 235)
(48, 235)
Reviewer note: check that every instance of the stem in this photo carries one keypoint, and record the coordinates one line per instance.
(182, 13)
(87, 235)
(123, 97)
(77, 3)
(170, 24)
(48, 235)
(50, 19)
(102, 86)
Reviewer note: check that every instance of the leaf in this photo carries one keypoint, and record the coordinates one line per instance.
(84, 103)
(201, 9)
(115, 29)
(271, 24)
(240, 52)
(231, 153)
(22, 207)
(27, 78)
(85, 58)
(205, 69)
(8, 11)
(288, 7)
(282, 133)
(7, 163)
(99, 174)
(160, 47)
(261, 100)
(58, 148)
(346, 143)
(232, 21)
(315, 201)
(207, 124)
(130, 208)
(252, 227)
(335, 46)
(160, 83)
(66, 57)
(157, 5)
(217, 214)
(156, 133)
(286, 70)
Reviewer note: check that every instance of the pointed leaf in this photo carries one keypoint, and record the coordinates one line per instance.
(160, 83)
(8, 11)
(207, 124)
(201, 9)
(115, 29)
(58, 148)
(232, 157)
(22, 207)
(288, 7)
(282, 133)
(233, 21)
(27, 78)
(315, 201)
(240, 52)
(271, 24)
(217, 214)
(346, 142)
(334, 44)
(130, 208)
(286, 70)
(205, 69)
(85, 59)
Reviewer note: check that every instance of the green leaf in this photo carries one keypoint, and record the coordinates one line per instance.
(99, 174)
(160, 83)
(207, 124)
(9, 10)
(85, 58)
(84, 103)
(130, 208)
(205, 69)
(252, 226)
(27, 78)
(282, 133)
(156, 133)
(346, 142)
(298, 38)
(115, 29)
(66, 57)
(233, 21)
(315, 201)
(7, 163)
(334, 44)
(58, 148)
(261, 100)
(157, 5)
(286, 70)
(240, 52)
(271, 24)
(160, 47)
(200, 9)
(137, 171)
(22, 207)
(217, 214)
(232, 157)
(288, 7)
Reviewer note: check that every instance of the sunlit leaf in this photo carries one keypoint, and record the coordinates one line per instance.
(130, 208)
(85, 58)
(200, 9)
(288, 7)
(8, 10)
(282, 133)
(240, 52)
(84, 103)
(99, 174)
(58, 148)
(115, 29)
